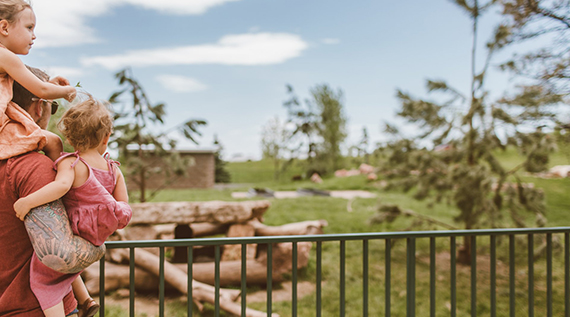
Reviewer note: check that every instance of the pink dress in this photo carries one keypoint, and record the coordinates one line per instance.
(94, 214)
(19, 133)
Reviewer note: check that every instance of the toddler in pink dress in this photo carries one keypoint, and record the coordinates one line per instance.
(94, 193)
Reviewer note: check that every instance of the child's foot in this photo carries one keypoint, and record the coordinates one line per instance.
(88, 309)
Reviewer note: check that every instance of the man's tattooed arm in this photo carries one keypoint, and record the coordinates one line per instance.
(55, 244)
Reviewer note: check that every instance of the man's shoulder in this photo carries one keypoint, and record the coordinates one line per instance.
(31, 158)
(29, 165)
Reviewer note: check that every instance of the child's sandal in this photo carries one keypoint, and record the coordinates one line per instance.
(88, 309)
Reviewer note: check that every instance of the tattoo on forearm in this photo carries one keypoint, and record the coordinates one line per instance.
(55, 244)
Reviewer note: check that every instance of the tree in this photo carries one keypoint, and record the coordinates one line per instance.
(221, 174)
(319, 127)
(529, 20)
(144, 150)
(275, 145)
(452, 156)
(332, 125)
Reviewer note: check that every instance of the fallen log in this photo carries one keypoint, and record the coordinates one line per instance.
(296, 228)
(178, 279)
(117, 276)
(233, 251)
(217, 212)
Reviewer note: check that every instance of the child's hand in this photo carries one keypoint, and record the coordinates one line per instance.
(21, 208)
(60, 81)
(71, 95)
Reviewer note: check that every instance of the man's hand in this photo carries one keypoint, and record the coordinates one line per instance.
(54, 242)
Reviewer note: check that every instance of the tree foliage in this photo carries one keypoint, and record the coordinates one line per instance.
(221, 174)
(275, 146)
(549, 21)
(451, 155)
(144, 150)
(320, 127)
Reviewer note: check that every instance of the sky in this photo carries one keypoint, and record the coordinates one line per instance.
(229, 61)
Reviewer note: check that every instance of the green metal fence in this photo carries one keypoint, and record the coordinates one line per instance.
(488, 247)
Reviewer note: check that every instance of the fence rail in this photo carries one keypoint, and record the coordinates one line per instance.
(489, 247)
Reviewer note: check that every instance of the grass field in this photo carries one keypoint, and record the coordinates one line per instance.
(334, 210)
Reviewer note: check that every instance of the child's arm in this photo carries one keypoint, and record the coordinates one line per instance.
(54, 146)
(120, 193)
(50, 192)
(11, 64)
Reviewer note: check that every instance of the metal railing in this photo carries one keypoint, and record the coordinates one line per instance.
(489, 242)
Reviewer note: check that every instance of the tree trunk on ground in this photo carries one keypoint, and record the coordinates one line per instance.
(296, 228)
(179, 279)
(233, 251)
(216, 212)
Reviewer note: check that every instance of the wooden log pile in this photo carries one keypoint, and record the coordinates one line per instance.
(202, 219)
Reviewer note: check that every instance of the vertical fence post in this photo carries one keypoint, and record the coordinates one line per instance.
(549, 274)
(411, 277)
(102, 286)
(432, 277)
(190, 262)
(493, 282)
(387, 283)
(365, 278)
(269, 278)
(474, 276)
(342, 277)
(530, 275)
(512, 275)
(453, 282)
(319, 276)
(243, 278)
(132, 282)
(217, 280)
(294, 282)
(161, 283)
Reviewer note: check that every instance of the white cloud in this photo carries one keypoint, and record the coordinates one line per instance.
(64, 22)
(330, 41)
(63, 71)
(240, 49)
(179, 83)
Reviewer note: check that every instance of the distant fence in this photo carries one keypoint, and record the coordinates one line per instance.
(509, 249)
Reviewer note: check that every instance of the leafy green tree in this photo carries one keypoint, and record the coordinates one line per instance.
(451, 156)
(275, 146)
(221, 174)
(144, 150)
(320, 127)
(332, 124)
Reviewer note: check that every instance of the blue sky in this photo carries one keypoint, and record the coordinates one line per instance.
(228, 61)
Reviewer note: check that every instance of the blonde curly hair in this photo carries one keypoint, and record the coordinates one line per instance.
(9, 9)
(86, 124)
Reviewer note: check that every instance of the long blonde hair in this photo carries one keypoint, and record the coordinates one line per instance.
(86, 124)
(9, 9)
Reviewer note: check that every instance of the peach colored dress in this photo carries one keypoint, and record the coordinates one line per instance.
(19, 133)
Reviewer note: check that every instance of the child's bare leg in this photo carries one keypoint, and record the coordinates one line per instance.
(55, 311)
(87, 306)
(79, 290)
(54, 146)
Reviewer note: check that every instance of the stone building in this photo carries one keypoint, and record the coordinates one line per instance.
(201, 174)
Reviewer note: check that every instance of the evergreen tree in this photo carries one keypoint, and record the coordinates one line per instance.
(452, 156)
(144, 151)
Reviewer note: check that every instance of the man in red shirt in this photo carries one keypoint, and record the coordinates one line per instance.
(48, 225)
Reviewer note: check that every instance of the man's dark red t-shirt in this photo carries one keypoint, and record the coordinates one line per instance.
(19, 177)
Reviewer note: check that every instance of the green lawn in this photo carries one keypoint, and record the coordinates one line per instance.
(334, 210)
